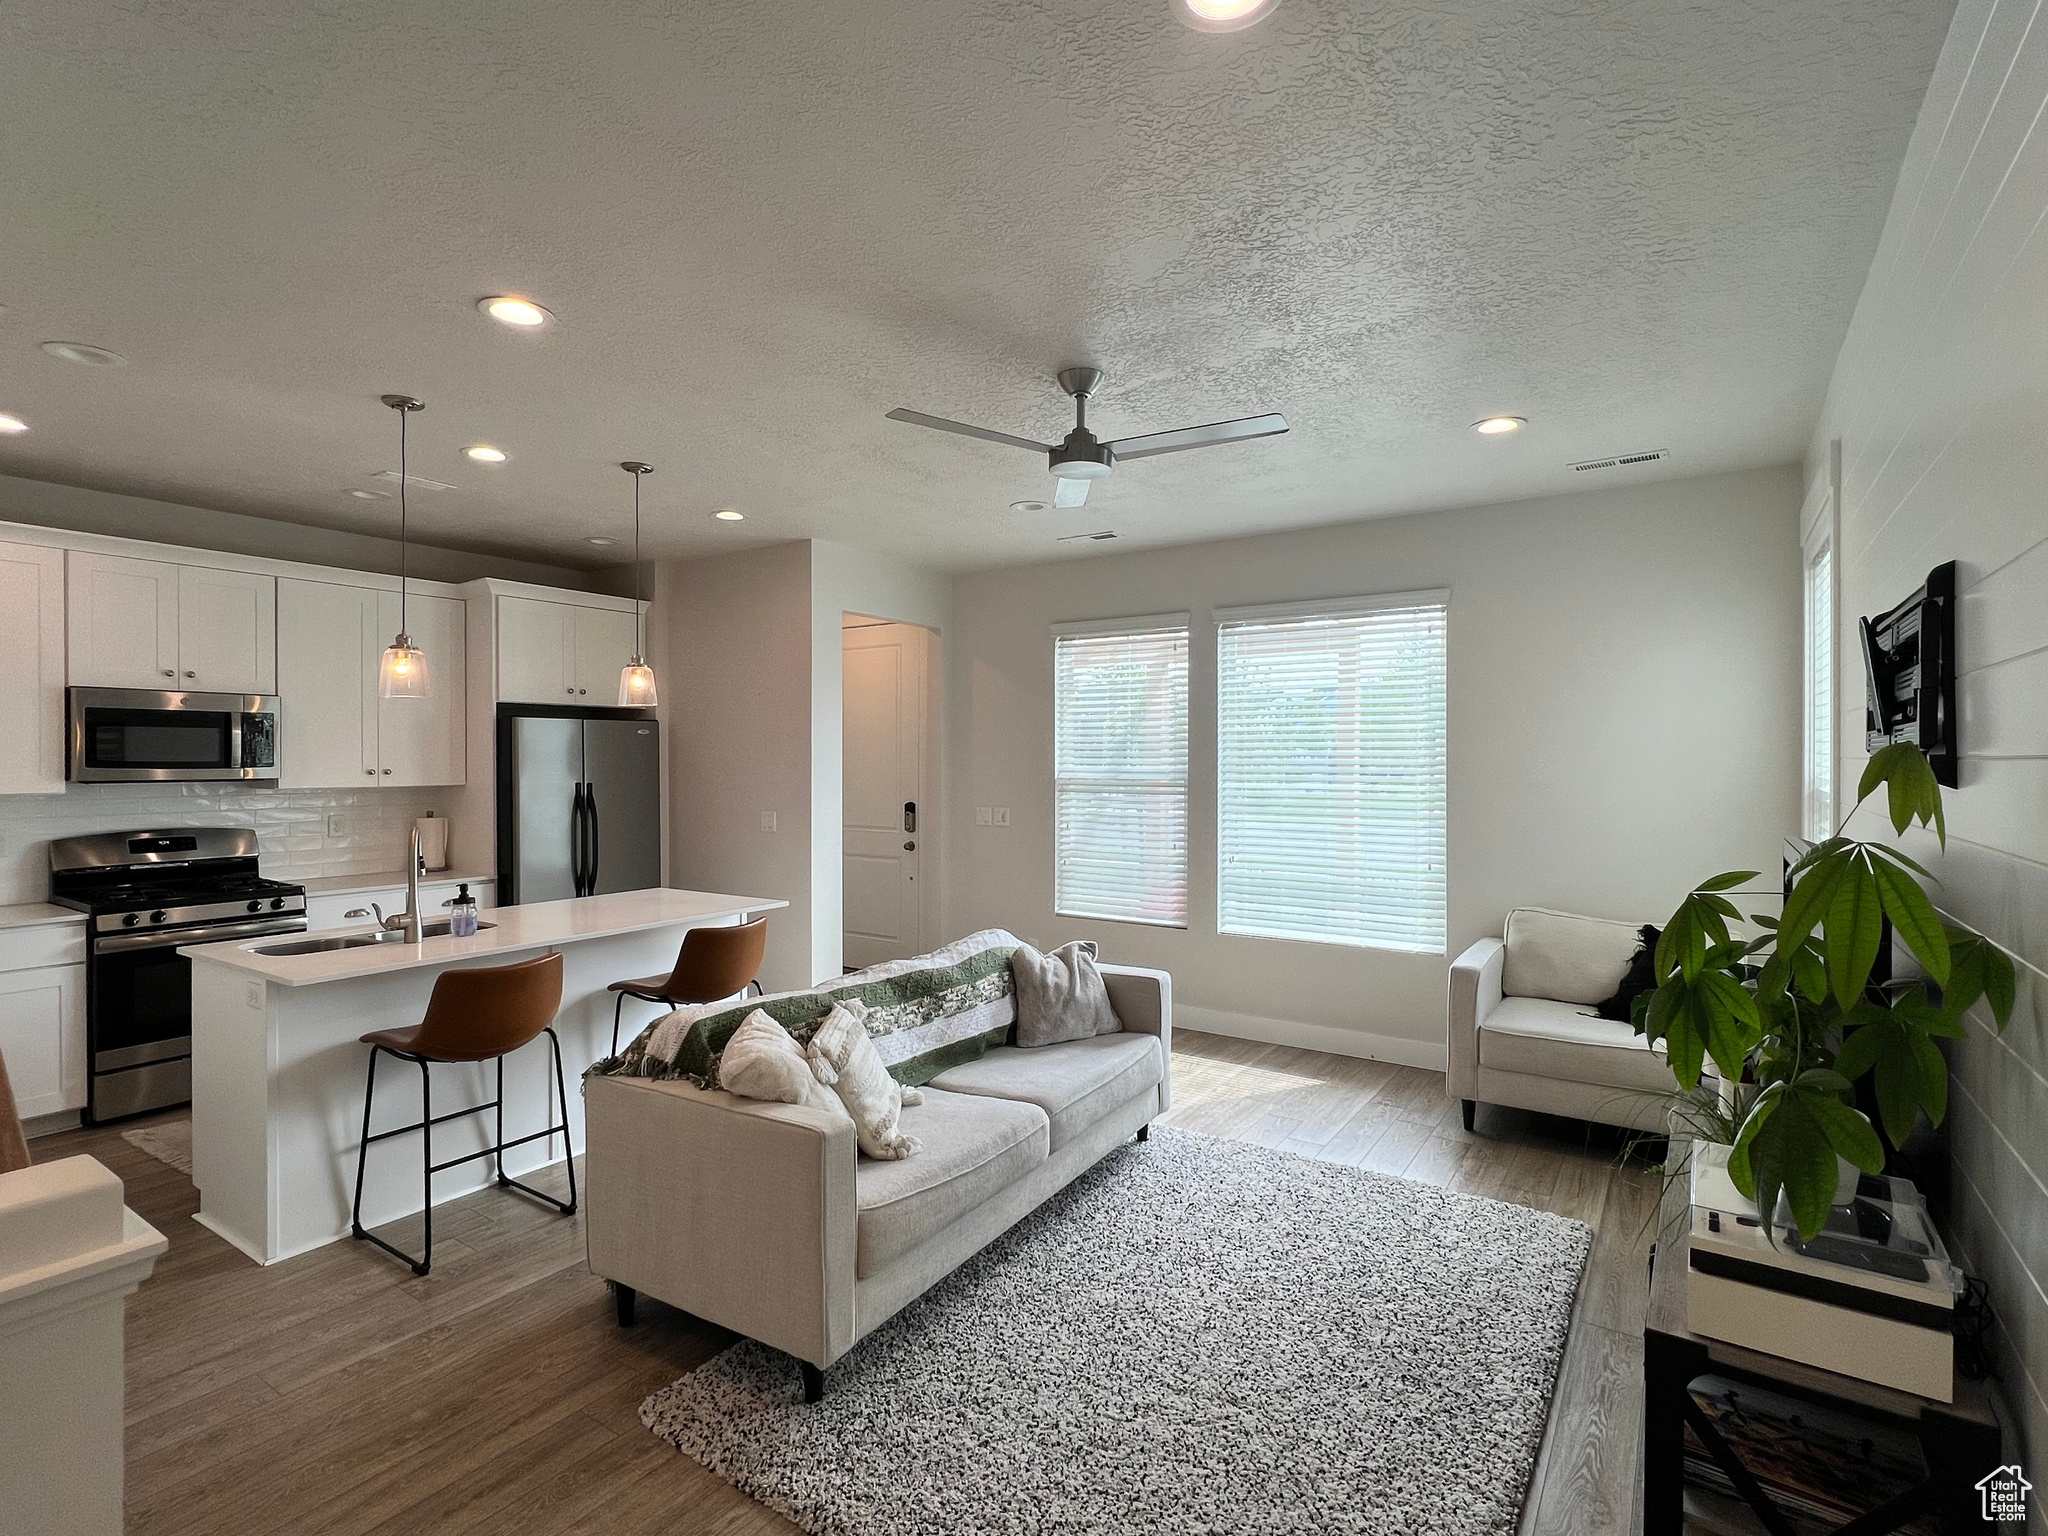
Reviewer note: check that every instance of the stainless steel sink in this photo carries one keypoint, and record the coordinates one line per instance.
(433, 928)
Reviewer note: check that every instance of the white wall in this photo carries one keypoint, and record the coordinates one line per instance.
(1939, 399)
(1624, 680)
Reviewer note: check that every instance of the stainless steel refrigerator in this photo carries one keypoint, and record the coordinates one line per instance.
(579, 805)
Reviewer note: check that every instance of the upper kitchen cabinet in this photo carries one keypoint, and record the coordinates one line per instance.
(153, 624)
(338, 733)
(561, 653)
(31, 670)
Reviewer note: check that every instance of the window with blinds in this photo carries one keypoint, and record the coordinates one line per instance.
(1820, 693)
(1120, 767)
(1331, 771)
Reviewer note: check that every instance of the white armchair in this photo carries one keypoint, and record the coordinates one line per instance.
(1523, 1030)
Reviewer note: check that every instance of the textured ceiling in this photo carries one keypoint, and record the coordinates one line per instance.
(1640, 223)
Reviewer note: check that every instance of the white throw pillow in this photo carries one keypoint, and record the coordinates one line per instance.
(762, 1061)
(843, 1058)
(1060, 995)
(1565, 957)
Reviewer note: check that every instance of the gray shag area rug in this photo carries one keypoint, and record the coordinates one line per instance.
(1197, 1335)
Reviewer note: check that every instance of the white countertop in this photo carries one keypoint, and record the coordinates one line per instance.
(540, 925)
(31, 913)
(351, 885)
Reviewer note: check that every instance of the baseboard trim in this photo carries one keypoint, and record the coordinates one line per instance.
(1314, 1037)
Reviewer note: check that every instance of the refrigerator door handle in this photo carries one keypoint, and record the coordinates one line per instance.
(576, 840)
(590, 839)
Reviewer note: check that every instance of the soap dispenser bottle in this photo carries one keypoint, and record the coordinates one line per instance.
(462, 913)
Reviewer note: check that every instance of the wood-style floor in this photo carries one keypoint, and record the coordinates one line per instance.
(338, 1393)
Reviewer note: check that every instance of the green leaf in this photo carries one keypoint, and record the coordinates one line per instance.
(1810, 897)
(1933, 1082)
(1847, 1132)
(1791, 1152)
(1663, 1002)
(1855, 924)
(1860, 1050)
(1809, 975)
(1727, 882)
(1885, 851)
(1685, 1038)
(1728, 1020)
(1913, 917)
(1823, 1080)
(1998, 982)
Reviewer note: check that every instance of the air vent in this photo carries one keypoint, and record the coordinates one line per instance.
(1623, 460)
(1087, 538)
(418, 482)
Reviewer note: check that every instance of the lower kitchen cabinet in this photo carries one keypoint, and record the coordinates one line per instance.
(42, 1017)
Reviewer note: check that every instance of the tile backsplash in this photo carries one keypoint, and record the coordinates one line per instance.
(304, 833)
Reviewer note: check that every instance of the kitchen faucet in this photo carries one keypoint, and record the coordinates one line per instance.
(408, 921)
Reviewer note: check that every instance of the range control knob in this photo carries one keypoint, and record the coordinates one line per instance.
(255, 906)
(158, 915)
(277, 903)
(131, 919)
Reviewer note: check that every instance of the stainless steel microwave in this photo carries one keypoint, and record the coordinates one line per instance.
(138, 735)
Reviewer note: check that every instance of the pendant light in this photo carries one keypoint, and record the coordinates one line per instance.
(636, 678)
(403, 674)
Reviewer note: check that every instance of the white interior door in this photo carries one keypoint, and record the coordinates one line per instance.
(884, 735)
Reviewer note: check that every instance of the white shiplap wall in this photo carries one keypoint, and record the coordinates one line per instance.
(1940, 403)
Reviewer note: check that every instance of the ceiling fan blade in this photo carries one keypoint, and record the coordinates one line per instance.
(1216, 432)
(1071, 493)
(919, 419)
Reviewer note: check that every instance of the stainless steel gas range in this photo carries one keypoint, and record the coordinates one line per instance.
(147, 893)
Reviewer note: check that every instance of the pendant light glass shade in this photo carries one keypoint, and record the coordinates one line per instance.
(403, 672)
(636, 678)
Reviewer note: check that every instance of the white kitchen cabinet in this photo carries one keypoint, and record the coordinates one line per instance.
(122, 617)
(154, 624)
(42, 1017)
(338, 733)
(31, 670)
(227, 630)
(561, 653)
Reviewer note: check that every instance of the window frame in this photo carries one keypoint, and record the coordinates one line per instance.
(1819, 804)
(1124, 628)
(1331, 609)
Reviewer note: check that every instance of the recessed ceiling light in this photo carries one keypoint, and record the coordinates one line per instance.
(484, 453)
(509, 310)
(728, 515)
(601, 541)
(362, 495)
(79, 352)
(1223, 15)
(12, 424)
(1027, 506)
(1499, 426)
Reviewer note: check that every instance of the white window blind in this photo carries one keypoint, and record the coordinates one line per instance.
(1120, 767)
(1331, 757)
(1820, 693)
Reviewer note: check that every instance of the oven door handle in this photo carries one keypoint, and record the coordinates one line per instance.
(213, 933)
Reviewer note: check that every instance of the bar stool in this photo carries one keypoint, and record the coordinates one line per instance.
(473, 1015)
(713, 963)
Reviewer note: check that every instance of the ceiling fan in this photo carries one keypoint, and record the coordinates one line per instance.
(1082, 457)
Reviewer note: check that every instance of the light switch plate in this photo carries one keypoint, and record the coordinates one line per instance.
(1002, 815)
(767, 821)
(984, 816)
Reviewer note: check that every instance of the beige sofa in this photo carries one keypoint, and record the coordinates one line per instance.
(1523, 1031)
(765, 1219)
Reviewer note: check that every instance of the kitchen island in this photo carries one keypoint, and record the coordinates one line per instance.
(278, 1067)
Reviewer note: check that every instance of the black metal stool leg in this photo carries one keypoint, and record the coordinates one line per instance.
(500, 1147)
(426, 1261)
(355, 1215)
(426, 1128)
(568, 1146)
(618, 1003)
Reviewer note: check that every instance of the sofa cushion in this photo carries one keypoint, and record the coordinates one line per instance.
(973, 1148)
(931, 1011)
(1060, 995)
(1552, 1039)
(1565, 957)
(1076, 1083)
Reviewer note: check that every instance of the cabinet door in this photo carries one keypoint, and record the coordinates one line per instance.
(31, 670)
(421, 741)
(122, 621)
(534, 641)
(42, 1035)
(328, 641)
(227, 631)
(603, 646)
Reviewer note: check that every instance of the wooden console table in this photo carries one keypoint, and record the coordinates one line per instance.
(1960, 1440)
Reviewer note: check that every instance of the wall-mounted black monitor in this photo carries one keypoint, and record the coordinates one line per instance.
(1909, 672)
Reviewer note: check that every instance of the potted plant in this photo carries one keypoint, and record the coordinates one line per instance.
(1791, 1014)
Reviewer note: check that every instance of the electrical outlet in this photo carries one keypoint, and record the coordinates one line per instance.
(767, 821)
(252, 996)
(1002, 815)
(337, 824)
(984, 816)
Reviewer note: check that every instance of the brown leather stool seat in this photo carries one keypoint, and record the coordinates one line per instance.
(713, 963)
(482, 1014)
